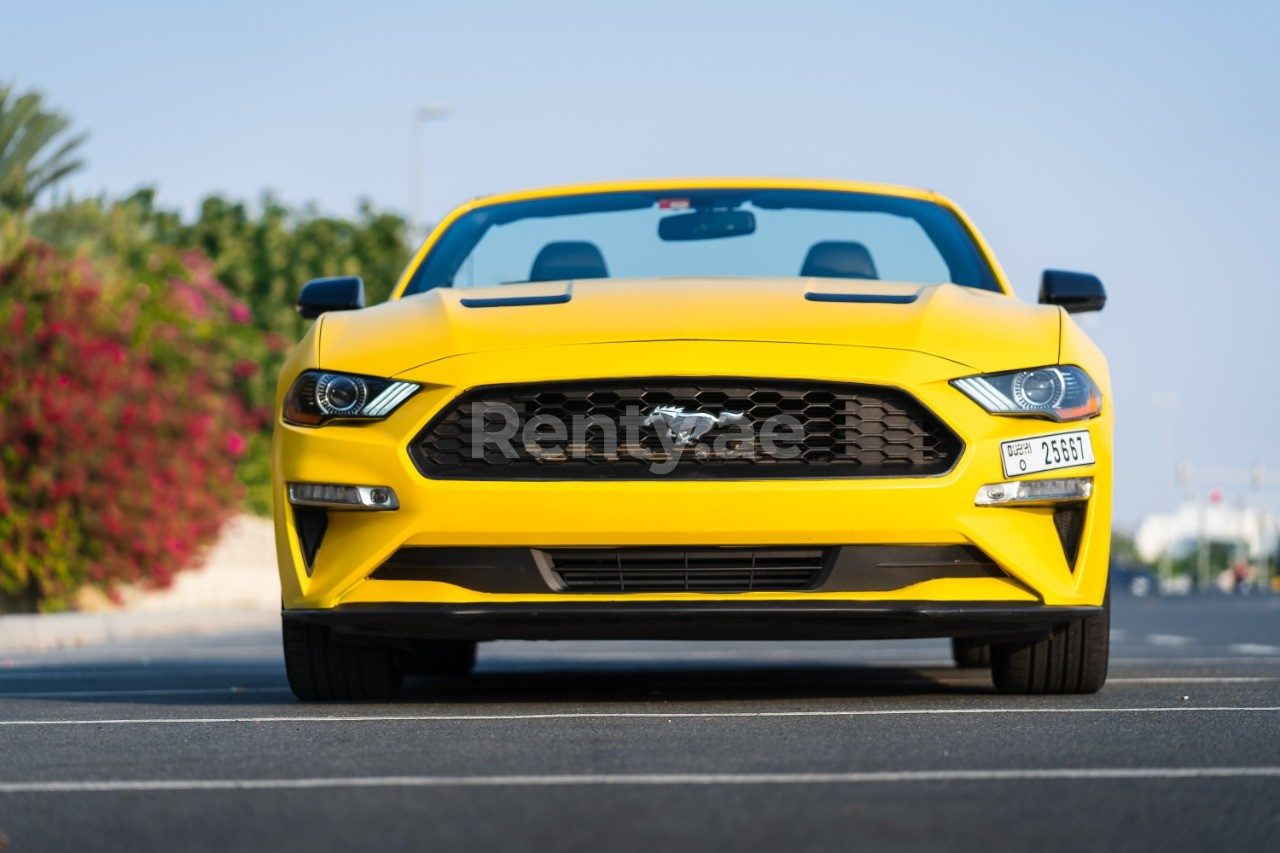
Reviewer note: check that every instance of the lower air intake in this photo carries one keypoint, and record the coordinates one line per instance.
(1069, 520)
(667, 570)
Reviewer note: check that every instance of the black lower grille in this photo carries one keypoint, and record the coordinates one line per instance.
(763, 429)
(839, 568)
(669, 570)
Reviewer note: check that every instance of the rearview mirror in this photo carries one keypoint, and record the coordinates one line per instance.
(707, 225)
(1074, 291)
(339, 293)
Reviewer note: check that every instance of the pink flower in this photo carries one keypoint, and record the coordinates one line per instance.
(189, 299)
(236, 444)
(245, 368)
(240, 313)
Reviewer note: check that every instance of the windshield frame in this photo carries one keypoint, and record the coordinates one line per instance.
(446, 237)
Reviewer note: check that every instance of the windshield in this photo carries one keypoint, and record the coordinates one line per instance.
(699, 233)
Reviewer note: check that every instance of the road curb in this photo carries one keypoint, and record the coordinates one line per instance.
(39, 632)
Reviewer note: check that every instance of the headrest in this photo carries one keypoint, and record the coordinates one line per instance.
(566, 260)
(838, 259)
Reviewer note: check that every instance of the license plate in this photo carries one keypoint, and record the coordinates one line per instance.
(1046, 453)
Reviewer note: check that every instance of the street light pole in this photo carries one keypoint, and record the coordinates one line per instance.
(1166, 403)
(416, 214)
(1258, 479)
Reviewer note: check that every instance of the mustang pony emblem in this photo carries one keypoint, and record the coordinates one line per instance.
(685, 428)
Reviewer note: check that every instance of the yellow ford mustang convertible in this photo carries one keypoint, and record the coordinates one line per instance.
(695, 409)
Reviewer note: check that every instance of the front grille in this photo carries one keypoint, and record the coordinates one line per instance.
(670, 570)
(848, 431)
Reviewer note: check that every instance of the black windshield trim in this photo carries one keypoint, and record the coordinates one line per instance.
(957, 245)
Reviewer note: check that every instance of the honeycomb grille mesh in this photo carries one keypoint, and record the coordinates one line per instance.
(847, 431)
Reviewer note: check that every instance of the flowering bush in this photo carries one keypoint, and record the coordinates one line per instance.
(262, 253)
(124, 406)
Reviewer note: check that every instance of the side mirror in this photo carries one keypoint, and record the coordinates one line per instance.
(1074, 291)
(340, 293)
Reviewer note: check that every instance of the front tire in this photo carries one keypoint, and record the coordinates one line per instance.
(321, 667)
(1073, 659)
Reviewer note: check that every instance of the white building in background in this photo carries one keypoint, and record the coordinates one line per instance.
(1181, 530)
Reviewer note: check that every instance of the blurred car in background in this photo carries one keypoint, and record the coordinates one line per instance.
(1134, 579)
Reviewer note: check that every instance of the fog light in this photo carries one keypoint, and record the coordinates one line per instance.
(336, 496)
(1035, 491)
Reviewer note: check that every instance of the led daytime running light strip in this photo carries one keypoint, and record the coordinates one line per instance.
(978, 387)
(394, 394)
(341, 496)
(1035, 491)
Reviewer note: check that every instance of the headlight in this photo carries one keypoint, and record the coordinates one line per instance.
(1059, 393)
(318, 396)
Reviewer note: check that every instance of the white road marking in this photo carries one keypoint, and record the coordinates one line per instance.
(217, 691)
(1262, 654)
(1178, 660)
(103, 694)
(640, 715)
(168, 670)
(1169, 640)
(1253, 649)
(887, 658)
(214, 691)
(873, 777)
(1193, 679)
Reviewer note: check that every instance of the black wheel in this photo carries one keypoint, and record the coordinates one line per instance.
(321, 667)
(1073, 659)
(970, 653)
(442, 657)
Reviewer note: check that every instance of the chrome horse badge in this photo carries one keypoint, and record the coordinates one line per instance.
(685, 428)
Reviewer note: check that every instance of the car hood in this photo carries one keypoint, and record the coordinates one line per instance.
(978, 329)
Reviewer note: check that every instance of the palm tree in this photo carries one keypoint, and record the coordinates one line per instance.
(27, 130)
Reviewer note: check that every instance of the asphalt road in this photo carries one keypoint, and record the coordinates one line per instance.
(196, 744)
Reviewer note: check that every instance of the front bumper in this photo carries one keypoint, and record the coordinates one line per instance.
(704, 620)
(539, 514)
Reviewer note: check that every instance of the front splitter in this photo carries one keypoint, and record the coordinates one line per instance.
(698, 620)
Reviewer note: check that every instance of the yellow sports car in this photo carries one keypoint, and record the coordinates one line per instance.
(695, 409)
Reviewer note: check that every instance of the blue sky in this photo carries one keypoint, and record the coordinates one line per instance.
(1134, 140)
